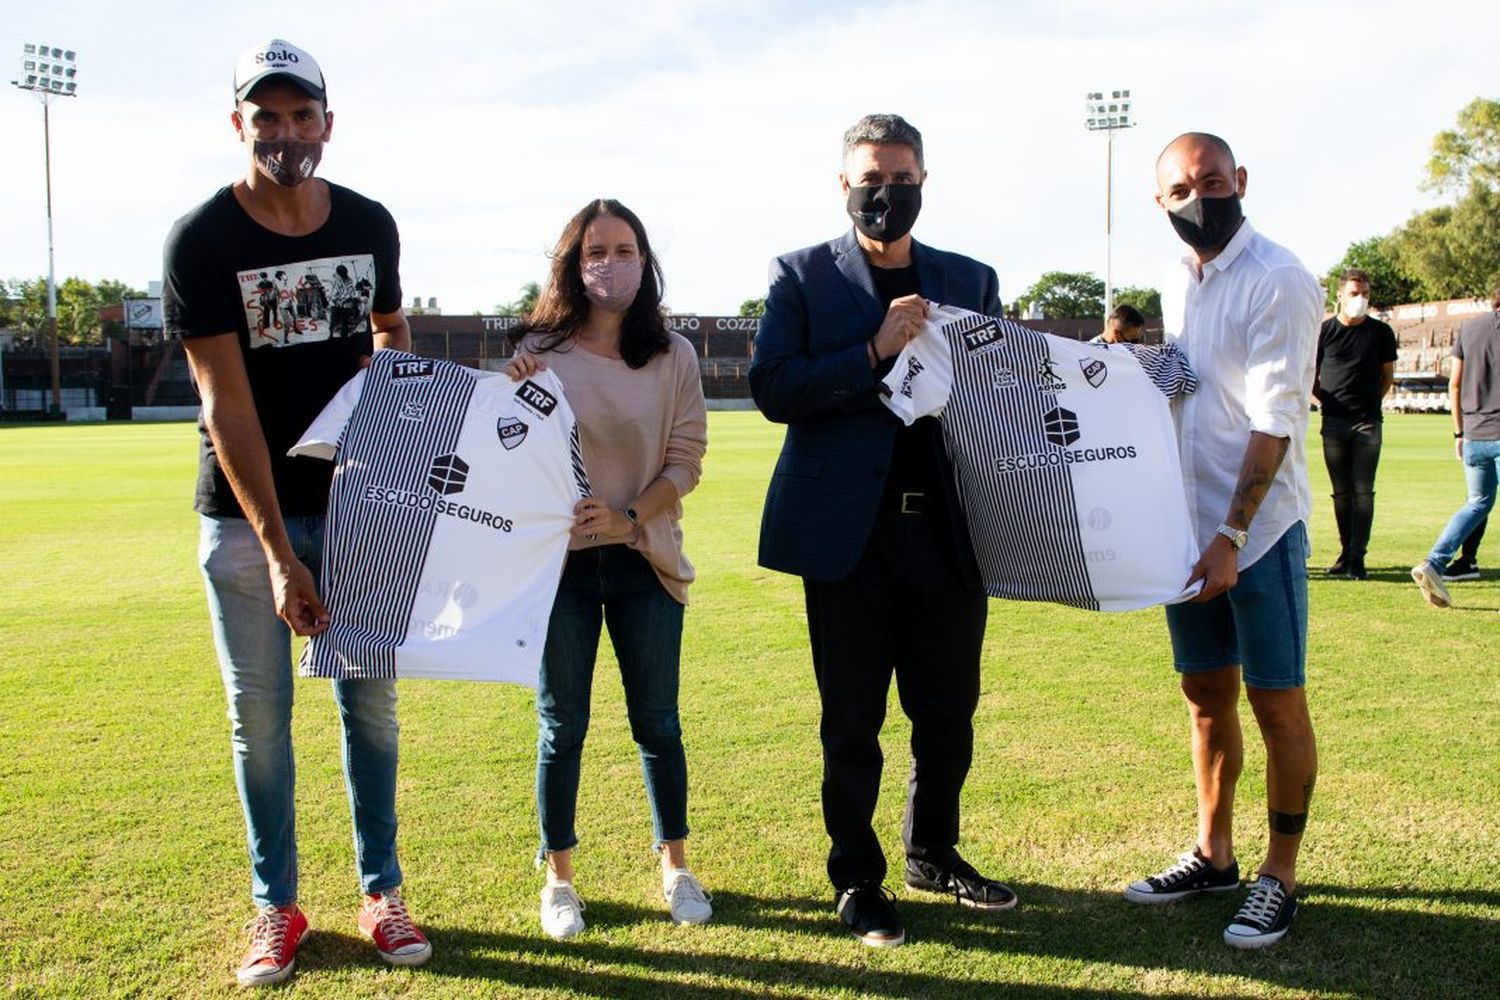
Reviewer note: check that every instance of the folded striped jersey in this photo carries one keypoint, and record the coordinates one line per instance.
(1064, 454)
(448, 520)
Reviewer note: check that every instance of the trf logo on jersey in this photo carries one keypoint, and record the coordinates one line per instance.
(913, 369)
(448, 474)
(985, 336)
(416, 368)
(412, 409)
(512, 432)
(1060, 426)
(538, 400)
(1094, 370)
(1047, 377)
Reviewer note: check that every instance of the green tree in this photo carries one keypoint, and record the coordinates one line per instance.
(78, 305)
(1065, 295)
(530, 292)
(1391, 283)
(1454, 250)
(1147, 300)
(753, 307)
(1468, 153)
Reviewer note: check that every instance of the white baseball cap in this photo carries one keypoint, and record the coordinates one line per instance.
(277, 59)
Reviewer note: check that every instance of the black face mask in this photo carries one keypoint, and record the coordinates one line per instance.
(885, 213)
(1207, 223)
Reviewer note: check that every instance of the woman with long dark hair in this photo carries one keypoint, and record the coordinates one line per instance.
(635, 389)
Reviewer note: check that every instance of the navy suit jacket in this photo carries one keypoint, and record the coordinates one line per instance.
(811, 372)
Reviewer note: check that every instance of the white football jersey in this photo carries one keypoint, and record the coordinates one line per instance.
(1064, 455)
(447, 523)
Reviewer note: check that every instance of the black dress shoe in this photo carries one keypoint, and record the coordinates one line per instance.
(961, 881)
(868, 909)
(1357, 569)
(1340, 567)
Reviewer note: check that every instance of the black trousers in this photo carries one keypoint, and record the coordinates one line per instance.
(905, 609)
(1351, 449)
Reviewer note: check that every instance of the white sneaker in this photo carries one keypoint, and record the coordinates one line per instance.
(686, 899)
(1431, 584)
(562, 910)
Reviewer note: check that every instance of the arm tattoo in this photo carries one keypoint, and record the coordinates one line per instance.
(1255, 479)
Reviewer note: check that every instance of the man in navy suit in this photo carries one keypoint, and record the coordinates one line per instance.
(865, 511)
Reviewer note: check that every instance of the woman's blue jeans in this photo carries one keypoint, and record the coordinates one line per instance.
(255, 659)
(611, 585)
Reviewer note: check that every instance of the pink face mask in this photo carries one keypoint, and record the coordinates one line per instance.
(612, 285)
(287, 162)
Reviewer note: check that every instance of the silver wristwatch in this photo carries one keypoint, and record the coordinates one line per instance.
(1238, 537)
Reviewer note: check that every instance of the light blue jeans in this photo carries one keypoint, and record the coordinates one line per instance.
(255, 658)
(1481, 472)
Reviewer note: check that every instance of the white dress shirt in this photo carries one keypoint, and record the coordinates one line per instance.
(1249, 326)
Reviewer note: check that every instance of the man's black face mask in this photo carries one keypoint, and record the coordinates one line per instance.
(885, 213)
(1207, 223)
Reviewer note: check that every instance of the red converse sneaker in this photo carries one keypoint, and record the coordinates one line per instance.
(384, 920)
(274, 936)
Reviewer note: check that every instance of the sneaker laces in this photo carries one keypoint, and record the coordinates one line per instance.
(562, 895)
(392, 917)
(268, 933)
(685, 885)
(1187, 864)
(1266, 897)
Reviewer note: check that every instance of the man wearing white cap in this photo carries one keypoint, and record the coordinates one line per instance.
(261, 513)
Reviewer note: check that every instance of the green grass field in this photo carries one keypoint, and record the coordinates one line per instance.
(122, 860)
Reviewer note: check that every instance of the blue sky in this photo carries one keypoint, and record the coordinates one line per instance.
(484, 126)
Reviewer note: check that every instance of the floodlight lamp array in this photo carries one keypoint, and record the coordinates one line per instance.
(1107, 110)
(48, 70)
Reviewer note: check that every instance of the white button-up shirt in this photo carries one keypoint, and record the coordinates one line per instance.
(1249, 325)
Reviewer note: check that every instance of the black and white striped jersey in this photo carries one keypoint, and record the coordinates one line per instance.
(448, 520)
(1064, 455)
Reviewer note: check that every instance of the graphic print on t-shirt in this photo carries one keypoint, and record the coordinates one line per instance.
(311, 300)
(1064, 456)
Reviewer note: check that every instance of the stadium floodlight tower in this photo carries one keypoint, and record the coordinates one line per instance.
(1107, 110)
(49, 72)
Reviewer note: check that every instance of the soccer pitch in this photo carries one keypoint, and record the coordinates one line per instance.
(122, 859)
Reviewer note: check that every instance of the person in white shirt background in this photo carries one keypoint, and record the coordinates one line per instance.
(1247, 313)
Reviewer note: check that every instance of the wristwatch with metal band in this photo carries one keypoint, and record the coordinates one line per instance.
(1238, 537)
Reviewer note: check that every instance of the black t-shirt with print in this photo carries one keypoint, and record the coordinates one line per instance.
(300, 306)
(1349, 365)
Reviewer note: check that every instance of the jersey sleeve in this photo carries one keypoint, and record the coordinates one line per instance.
(1167, 368)
(322, 437)
(921, 380)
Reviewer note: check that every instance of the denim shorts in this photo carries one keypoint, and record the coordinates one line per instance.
(1261, 623)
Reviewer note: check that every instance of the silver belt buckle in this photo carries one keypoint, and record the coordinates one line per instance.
(906, 499)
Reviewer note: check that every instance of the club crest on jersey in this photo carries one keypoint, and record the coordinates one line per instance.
(1047, 377)
(1094, 370)
(984, 336)
(1005, 378)
(449, 474)
(412, 409)
(535, 398)
(417, 368)
(1060, 426)
(512, 432)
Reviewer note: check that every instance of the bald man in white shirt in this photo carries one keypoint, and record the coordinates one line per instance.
(1246, 313)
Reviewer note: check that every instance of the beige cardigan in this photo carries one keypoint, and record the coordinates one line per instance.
(636, 424)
